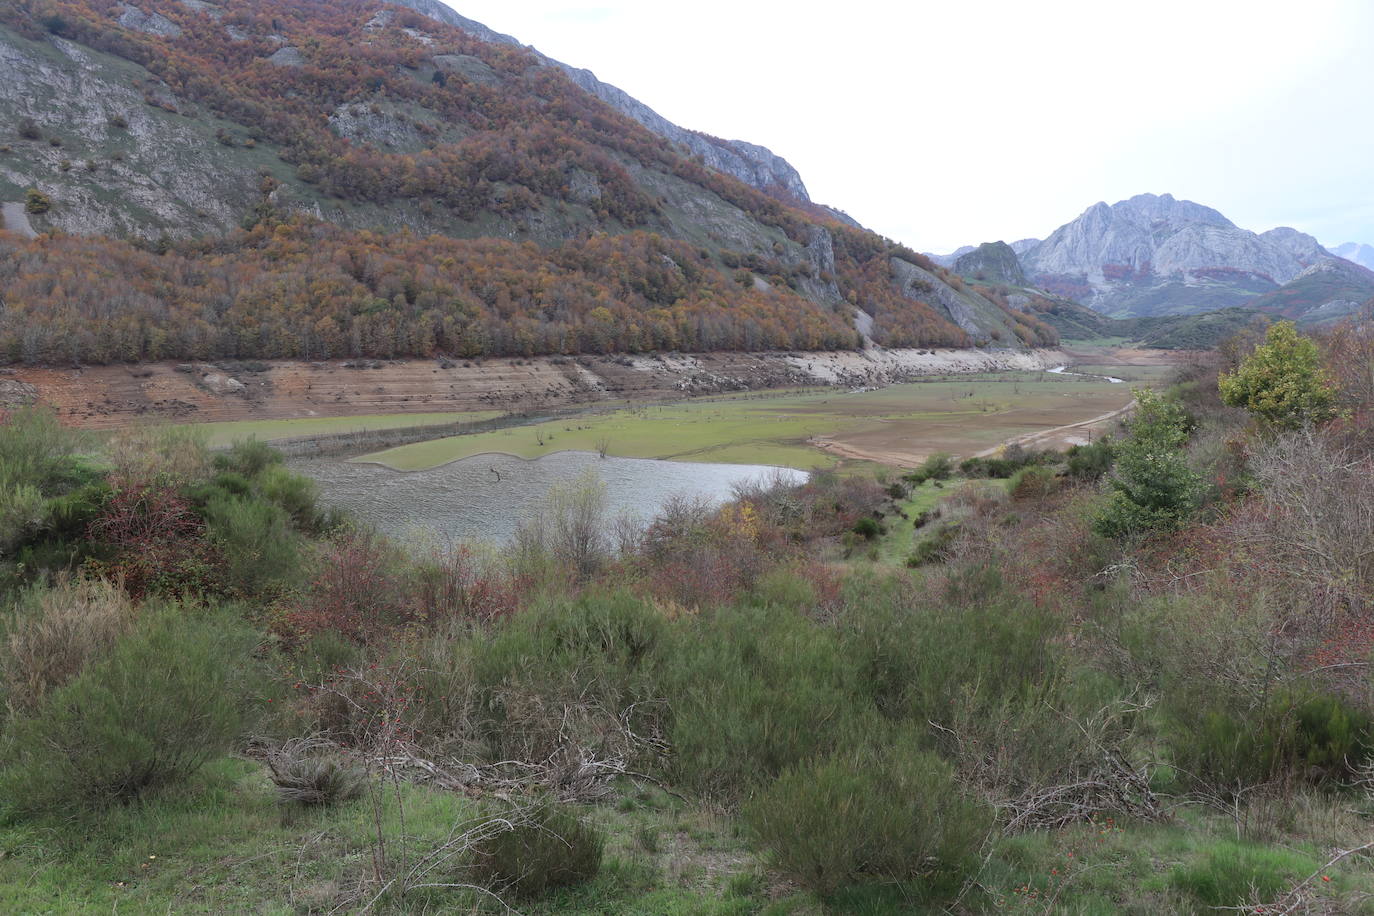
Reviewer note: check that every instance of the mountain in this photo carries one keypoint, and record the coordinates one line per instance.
(1154, 255)
(1361, 254)
(754, 165)
(1324, 293)
(347, 178)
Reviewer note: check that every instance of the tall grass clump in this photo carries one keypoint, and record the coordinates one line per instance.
(54, 633)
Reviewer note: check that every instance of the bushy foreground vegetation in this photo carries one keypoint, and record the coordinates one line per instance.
(1131, 679)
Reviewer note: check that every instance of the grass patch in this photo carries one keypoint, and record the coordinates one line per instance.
(955, 414)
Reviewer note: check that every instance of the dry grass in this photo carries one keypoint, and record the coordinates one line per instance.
(63, 631)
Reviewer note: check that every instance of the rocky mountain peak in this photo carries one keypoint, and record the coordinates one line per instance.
(1155, 251)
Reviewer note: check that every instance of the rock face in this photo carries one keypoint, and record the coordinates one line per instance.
(1360, 254)
(1154, 254)
(992, 262)
(754, 165)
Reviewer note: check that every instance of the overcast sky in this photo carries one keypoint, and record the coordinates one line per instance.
(944, 124)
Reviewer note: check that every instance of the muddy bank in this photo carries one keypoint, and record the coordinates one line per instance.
(102, 397)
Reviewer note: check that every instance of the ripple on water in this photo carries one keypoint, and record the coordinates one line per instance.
(486, 497)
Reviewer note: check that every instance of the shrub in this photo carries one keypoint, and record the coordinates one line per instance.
(892, 814)
(934, 547)
(249, 457)
(565, 678)
(1283, 381)
(1316, 738)
(754, 690)
(36, 202)
(868, 528)
(1032, 482)
(166, 699)
(1090, 462)
(258, 548)
(356, 591)
(548, 847)
(938, 466)
(57, 633)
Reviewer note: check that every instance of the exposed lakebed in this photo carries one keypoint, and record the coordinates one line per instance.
(486, 497)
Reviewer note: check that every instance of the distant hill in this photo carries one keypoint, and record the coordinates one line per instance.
(1361, 254)
(1324, 293)
(276, 178)
(994, 262)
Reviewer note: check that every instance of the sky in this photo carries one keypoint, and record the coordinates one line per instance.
(953, 123)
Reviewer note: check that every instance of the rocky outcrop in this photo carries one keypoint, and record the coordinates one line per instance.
(918, 283)
(992, 262)
(131, 17)
(287, 57)
(754, 165)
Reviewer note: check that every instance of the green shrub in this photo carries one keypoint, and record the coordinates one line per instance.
(255, 538)
(549, 847)
(938, 466)
(166, 698)
(754, 690)
(892, 814)
(1032, 482)
(294, 493)
(1090, 462)
(1012, 459)
(1225, 746)
(248, 457)
(1152, 487)
(936, 546)
(561, 675)
(868, 528)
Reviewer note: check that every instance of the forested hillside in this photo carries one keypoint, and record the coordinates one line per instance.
(191, 143)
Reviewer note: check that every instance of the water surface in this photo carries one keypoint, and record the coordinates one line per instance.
(485, 497)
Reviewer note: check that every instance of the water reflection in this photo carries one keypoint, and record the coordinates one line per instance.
(485, 498)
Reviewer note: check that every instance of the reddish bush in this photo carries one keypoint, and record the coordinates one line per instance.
(356, 591)
(156, 541)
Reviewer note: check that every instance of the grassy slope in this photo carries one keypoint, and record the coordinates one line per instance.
(946, 414)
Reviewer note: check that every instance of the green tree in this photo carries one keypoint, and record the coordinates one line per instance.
(1283, 381)
(1152, 487)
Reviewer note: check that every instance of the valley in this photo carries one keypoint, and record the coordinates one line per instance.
(433, 481)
